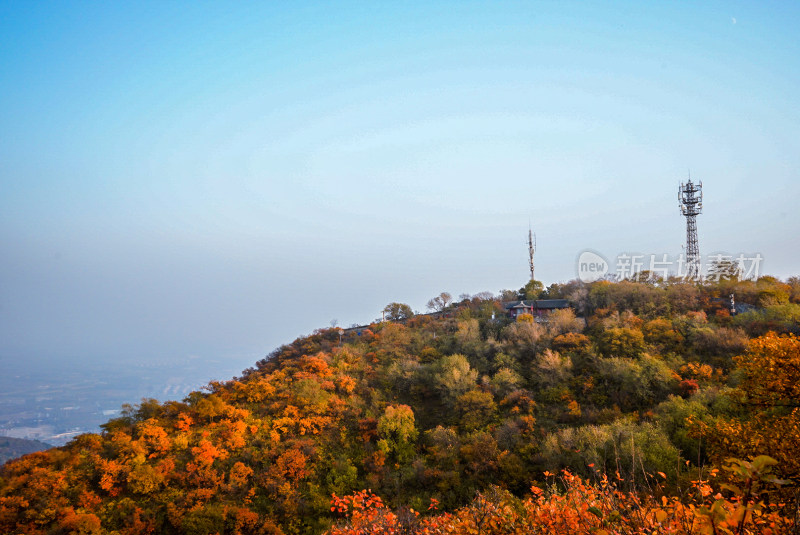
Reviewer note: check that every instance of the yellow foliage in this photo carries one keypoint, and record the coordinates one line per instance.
(525, 318)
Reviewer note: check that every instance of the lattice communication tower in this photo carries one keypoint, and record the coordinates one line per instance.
(690, 198)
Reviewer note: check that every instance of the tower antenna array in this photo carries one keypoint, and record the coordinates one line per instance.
(531, 248)
(690, 200)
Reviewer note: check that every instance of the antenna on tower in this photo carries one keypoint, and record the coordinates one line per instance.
(690, 199)
(531, 247)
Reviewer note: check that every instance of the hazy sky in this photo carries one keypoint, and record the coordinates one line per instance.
(215, 179)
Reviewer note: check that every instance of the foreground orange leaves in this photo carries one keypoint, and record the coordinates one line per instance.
(580, 508)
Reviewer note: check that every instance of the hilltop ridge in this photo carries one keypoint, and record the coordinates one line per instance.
(11, 448)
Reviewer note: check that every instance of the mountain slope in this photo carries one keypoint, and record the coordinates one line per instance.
(433, 408)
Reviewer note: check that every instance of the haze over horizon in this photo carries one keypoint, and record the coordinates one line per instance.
(214, 180)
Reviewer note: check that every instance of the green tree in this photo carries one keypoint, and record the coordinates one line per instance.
(453, 377)
(397, 312)
(476, 409)
(398, 432)
(505, 381)
(634, 384)
(532, 290)
(672, 415)
(625, 446)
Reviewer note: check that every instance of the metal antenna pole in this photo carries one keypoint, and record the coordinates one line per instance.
(531, 248)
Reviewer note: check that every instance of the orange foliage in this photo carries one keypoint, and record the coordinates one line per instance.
(184, 422)
(79, 523)
(256, 390)
(581, 509)
(292, 465)
(772, 369)
(233, 434)
(239, 474)
(109, 471)
(206, 453)
(154, 437)
(346, 384)
(772, 388)
(315, 366)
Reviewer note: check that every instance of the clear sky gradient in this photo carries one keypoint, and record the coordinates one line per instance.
(215, 179)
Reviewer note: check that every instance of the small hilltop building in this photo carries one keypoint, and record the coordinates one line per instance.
(538, 308)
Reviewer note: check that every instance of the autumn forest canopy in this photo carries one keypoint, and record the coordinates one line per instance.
(642, 407)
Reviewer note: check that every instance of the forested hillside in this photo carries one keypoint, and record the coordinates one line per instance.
(619, 414)
(11, 447)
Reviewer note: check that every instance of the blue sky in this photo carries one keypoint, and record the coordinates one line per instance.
(217, 178)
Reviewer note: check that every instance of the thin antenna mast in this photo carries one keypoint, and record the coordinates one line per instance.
(531, 248)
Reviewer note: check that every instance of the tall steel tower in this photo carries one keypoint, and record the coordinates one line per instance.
(531, 248)
(690, 199)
